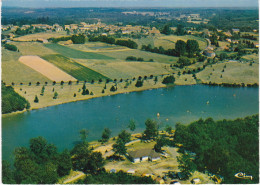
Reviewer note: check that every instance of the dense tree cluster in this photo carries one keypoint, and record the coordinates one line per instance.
(115, 178)
(10, 47)
(12, 101)
(41, 163)
(56, 40)
(78, 39)
(168, 80)
(224, 147)
(132, 58)
(190, 48)
(111, 40)
(151, 130)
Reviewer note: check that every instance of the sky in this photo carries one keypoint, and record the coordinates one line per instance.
(129, 3)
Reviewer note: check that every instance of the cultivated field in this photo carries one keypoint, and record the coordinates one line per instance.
(33, 48)
(126, 70)
(234, 72)
(73, 68)
(254, 57)
(160, 41)
(15, 71)
(45, 68)
(96, 47)
(143, 54)
(35, 36)
(73, 53)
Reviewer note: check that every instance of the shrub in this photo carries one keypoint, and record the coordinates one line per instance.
(139, 83)
(10, 47)
(168, 80)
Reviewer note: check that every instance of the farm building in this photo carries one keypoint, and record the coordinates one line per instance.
(209, 53)
(143, 155)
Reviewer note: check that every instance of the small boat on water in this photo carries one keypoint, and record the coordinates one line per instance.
(207, 102)
(242, 175)
(158, 114)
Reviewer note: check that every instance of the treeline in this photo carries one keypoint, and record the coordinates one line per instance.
(56, 40)
(111, 40)
(10, 47)
(250, 37)
(11, 101)
(223, 147)
(190, 48)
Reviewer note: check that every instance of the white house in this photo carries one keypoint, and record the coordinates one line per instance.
(143, 155)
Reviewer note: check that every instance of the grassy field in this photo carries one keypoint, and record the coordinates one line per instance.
(235, 72)
(143, 54)
(73, 68)
(171, 39)
(66, 92)
(254, 57)
(73, 53)
(119, 69)
(144, 41)
(15, 71)
(35, 36)
(95, 47)
(33, 48)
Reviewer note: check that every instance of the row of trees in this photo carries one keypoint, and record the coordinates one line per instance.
(190, 48)
(111, 40)
(12, 101)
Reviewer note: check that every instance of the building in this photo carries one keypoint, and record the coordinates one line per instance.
(143, 155)
(209, 53)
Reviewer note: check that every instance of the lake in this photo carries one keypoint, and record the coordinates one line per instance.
(60, 124)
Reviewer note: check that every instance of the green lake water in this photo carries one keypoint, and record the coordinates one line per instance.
(60, 124)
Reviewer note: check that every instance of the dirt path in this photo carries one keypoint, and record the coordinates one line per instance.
(74, 178)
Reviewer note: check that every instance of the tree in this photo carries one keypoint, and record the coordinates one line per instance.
(180, 30)
(106, 134)
(124, 136)
(10, 47)
(131, 125)
(95, 162)
(168, 80)
(119, 147)
(55, 96)
(83, 134)
(160, 142)
(186, 165)
(64, 163)
(223, 56)
(180, 47)
(113, 89)
(139, 83)
(80, 153)
(7, 173)
(42, 91)
(166, 30)
(36, 100)
(151, 130)
(168, 129)
(78, 39)
(192, 47)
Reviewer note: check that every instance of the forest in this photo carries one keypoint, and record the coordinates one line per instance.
(12, 101)
(223, 147)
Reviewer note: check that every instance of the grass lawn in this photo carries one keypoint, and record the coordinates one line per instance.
(15, 71)
(73, 68)
(143, 54)
(33, 48)
(235, 72)
(173, 39)
(73, 53)
(44, 35)
(119, 69)
(254, 57)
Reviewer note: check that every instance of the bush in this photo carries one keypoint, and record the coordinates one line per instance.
(10, 47)
(131, 58)
(168, 80)
(139, 83)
